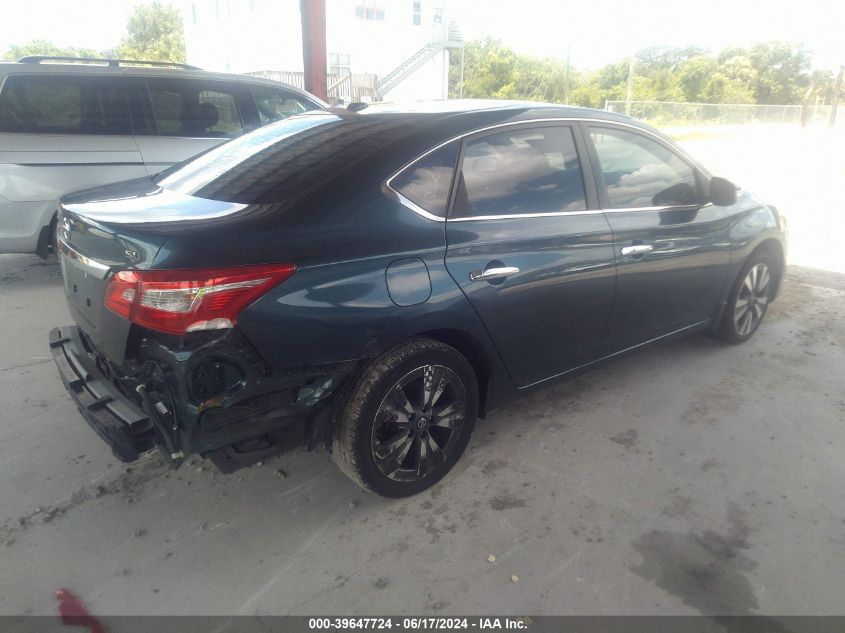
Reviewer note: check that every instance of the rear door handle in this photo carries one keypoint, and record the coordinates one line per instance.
(493, 273)
(637, 249)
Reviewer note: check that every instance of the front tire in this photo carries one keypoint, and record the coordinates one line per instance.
(407, 419)
(749, 299)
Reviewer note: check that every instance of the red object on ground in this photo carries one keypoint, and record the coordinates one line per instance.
(74, 613)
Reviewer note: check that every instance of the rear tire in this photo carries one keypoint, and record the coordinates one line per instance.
(749, 300)
(53, 246)
(407, 419)
(46, 242)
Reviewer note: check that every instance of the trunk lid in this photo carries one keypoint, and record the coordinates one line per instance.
(101, 231)
(89, 252)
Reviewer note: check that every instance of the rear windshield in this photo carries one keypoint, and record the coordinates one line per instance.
(49, 104)
(284, 159)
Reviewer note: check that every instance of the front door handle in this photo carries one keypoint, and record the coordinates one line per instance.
(491, 274)
(637, 249)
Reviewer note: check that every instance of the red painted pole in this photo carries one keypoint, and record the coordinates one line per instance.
(314, 46)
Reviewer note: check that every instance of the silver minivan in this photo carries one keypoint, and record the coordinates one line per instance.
(69, 123)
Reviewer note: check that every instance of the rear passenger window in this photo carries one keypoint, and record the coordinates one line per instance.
(426, 183)
(143, 121)
(274, 104)
(193, 107)
(534, 170)
(50, 104)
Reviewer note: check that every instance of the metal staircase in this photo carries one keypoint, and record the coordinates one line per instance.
(449, 38)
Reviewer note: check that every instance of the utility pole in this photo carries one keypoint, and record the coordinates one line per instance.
(313, 13)
(461, 90)
(837, 91)
(566, 81)
(805, 104)
(630, 84)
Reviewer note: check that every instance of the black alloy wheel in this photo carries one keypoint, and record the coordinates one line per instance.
(407, 419)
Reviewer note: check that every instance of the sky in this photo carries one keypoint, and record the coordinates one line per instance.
(596, 31)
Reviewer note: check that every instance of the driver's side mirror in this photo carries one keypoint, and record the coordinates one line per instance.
(722, 192)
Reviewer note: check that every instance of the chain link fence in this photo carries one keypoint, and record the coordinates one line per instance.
(677, 113)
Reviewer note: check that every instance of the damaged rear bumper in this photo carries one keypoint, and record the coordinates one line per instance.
(214, 397)
(120, 422)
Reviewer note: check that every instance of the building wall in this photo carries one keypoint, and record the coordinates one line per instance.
(250, 35)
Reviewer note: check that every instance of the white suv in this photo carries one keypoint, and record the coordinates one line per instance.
(69, 123)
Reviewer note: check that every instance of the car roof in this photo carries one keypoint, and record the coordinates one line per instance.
(76, 68)
(447, 106)
(465, 108)
(443, 120)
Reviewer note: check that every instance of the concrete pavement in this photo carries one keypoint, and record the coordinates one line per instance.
(691, 477)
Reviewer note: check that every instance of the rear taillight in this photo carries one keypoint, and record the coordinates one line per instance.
(180, 301)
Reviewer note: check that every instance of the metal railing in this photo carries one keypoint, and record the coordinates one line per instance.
(408, 66)
(449, 38)
(344, 88)
(682, 113)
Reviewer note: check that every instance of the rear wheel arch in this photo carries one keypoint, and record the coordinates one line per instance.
(465, 344)
(471, 349)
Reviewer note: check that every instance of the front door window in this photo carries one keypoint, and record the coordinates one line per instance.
(639, 172)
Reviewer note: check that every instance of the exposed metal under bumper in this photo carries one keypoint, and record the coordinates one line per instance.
(117, 420)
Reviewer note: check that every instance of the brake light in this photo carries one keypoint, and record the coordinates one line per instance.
(180, 301)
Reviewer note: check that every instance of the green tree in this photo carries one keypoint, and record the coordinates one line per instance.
(607, 83)
(657, 71)
(494, 71)
(489, 69)
(43, 47)
(721, 88)
(694, 75)
(155, 33)
(783, 72)
(666, 57)
(775, 72)
(734, 80)
(539, 79)
(661, 85)
(821, 85)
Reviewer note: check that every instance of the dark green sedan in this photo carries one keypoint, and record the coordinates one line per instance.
(375, 279)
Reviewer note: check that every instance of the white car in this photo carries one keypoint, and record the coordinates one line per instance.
(69, 123)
